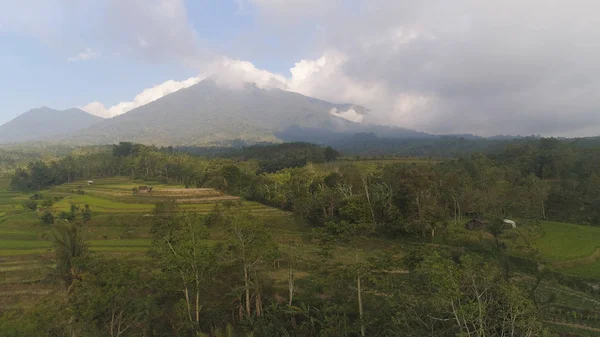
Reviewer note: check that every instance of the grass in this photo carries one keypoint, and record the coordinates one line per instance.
(24, 244)
(587, 270)
(121, 242)
(23, 252)
(17, 234)
(563, 241)
(101, 204)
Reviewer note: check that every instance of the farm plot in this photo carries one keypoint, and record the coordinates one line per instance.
(564, 241)
(120, 226)
(573, 249)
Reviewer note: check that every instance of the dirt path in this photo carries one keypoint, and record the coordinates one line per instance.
(578, 262)
(574, 293)
(576, 326)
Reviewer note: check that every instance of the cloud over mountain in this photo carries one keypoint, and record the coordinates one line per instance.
(461, 66)
(145, 97)
(464, 66)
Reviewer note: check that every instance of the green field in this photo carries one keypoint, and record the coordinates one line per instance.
(563, 241)
(120, 225)
(587, 270)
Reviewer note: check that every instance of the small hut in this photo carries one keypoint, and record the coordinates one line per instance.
(509, 223)
(476, 223)
(144, 189)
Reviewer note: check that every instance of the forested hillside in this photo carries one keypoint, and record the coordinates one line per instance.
(211, 114)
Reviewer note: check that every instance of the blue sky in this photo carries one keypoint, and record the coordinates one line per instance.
(463, 66)
(37, 75)
(36, 70)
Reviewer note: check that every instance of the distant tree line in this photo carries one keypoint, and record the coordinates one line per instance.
(545, 179)
(271, 157)
(451, 146)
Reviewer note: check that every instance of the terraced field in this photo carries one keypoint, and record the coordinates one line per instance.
(119, 226)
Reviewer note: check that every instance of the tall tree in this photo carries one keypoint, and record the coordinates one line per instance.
(183, 253)
(250, 244)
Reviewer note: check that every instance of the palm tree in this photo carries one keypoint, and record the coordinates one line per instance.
(68, 246)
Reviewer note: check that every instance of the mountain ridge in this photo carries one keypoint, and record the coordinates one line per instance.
(207, 113)
(44, 122)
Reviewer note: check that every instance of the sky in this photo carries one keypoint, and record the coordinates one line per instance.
(517, 67)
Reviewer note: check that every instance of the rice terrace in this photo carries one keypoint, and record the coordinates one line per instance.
(113, 205)
(119, 226)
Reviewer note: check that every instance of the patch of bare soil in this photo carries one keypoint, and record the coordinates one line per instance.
(207, 199)
(576, 326)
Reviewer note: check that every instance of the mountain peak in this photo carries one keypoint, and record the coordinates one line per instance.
(211, 112)
(43, 122)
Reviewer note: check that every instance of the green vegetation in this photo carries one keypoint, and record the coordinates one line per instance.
(562, 241)
(591, 270)
(165, 243)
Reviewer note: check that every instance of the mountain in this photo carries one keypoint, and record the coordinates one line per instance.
(207, 114)
(44, 122)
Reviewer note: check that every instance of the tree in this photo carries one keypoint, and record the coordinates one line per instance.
(453, 294)
(496, 228)
(250, 244)
(86, 213)
(47, 217)
(47, 203)
(183, 254)
(330, 154)
(164, 215)
(69, 248)
(124, 149)
(30, 205)
(67, 216)
(351, 234)
(112, 298)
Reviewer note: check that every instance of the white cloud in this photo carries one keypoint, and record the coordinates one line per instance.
(226, 72)
(322, 78)
(463, 66)
(153, 30)
(233, 74)
(145, 97)
(88, 54)
(349, 115)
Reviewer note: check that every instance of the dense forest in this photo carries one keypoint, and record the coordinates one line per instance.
(452, 282)
(17, 155)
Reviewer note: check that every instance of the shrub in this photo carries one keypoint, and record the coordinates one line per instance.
(30, 205)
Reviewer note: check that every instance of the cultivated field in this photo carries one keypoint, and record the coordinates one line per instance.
(120, 225)
(572, 249)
